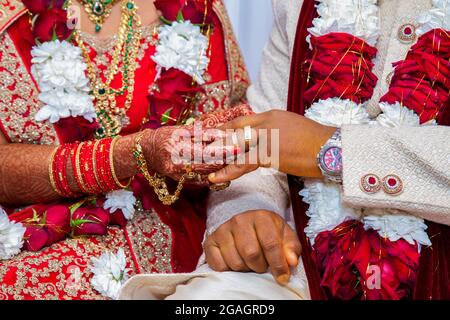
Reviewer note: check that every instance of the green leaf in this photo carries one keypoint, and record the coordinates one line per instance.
(166, 116)
(180, 17)
(165, 21)
(76, 206)
(79, 222)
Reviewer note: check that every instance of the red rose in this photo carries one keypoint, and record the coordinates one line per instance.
(345, 254)
(57, 223)
(169, 101)
(332, 69)
(51, 23)
(192, 10)
(38, 6)
(436, 42)
(36, 238)
(90, 221)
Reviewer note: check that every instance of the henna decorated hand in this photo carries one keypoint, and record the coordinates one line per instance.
(172, 151)
(217, 119)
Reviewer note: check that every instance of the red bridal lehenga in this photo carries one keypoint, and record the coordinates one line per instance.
(159, 239)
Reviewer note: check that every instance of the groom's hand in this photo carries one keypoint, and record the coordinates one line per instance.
(254, 241)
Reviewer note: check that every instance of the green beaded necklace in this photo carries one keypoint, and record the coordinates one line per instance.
(98, 11)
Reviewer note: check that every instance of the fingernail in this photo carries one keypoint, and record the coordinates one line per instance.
(211, 176)
(292, 258)
(283, 279)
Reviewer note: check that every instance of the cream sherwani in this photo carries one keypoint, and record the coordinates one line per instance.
(424, 167)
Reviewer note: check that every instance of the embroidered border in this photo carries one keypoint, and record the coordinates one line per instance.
(10, 10)
(237, 71)
(19, 99)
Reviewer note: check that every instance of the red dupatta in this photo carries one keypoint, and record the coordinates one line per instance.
(433, 280)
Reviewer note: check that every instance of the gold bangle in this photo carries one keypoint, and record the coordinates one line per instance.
(111, 163)
(50, 172)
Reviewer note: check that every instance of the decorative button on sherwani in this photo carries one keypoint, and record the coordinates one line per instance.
(407, 33)
(393, 185)
(370, 183)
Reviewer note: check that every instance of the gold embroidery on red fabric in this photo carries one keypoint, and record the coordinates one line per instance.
(8, 10)
(60, 271)
(19, 99)
(151, 241)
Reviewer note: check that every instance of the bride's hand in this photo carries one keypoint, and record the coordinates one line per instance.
(174, 150)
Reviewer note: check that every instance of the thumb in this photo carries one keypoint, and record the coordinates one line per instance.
(291, 245)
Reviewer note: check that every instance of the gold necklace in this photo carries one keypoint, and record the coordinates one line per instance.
(110, 117)
(98, 11)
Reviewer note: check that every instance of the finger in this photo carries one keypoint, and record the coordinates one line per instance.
(248, 246)
(229, 252)
(235, 170)
(270, 238)
(214, 258)
(292, 246)
(241, 122)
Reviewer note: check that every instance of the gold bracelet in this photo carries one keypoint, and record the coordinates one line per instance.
(50, 172)
(158, 182)
(113, 171)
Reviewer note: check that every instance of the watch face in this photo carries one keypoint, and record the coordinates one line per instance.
(332, 159)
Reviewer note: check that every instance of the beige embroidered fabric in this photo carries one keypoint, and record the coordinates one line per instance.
(423, 164)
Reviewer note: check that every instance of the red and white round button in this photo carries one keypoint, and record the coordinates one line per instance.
(407, 33)
(393, 185)
(370, 183)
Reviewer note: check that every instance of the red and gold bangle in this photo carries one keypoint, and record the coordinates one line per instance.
(87, 167)
(77, 170)
(59, 170)
(51, 173)
(102, 164)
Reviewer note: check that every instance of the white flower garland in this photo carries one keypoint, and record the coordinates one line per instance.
(121, 200)
(59, 71)
(11, 236)
(326, 211)
(110, 273)
(183, 46)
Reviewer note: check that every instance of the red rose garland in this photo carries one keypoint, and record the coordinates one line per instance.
(421, 82)
(174, 92)
(341, 66)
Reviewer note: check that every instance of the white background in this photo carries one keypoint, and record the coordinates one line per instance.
(252, 21)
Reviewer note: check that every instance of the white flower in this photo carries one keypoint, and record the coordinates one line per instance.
(326, 210)
(110, 273)
(121, 200)
(11, 236)
(356, 17)
(396, 226)
(59, 71)
(438, 17)
(182, 46)
(337, 112)
(397, 115)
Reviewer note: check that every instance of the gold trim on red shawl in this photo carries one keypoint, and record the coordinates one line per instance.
(10, 11)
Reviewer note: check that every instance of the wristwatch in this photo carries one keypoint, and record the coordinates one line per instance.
(329, 158)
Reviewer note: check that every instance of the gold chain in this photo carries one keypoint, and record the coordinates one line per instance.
(110, 117)
(157, 181)
(98, 11)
